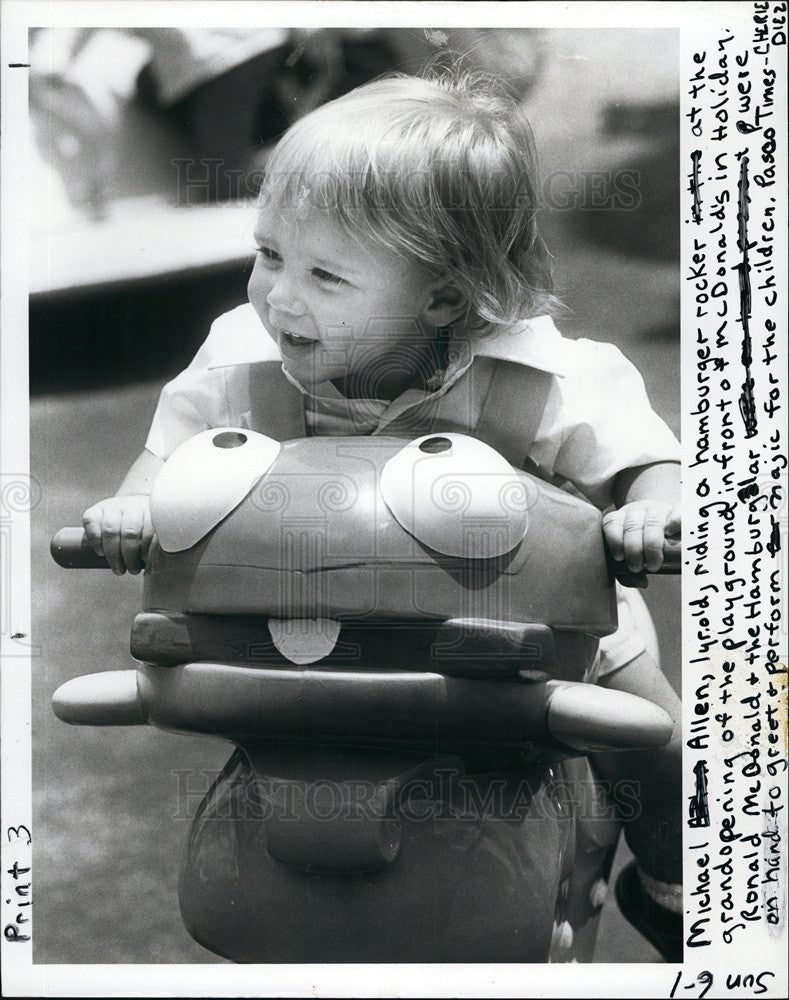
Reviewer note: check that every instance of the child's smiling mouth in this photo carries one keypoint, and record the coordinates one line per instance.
(295, 340)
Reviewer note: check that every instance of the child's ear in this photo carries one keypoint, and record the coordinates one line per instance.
(445, 305)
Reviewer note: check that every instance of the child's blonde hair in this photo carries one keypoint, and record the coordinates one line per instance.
(442, 169)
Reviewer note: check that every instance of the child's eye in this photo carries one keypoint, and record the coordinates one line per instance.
(268, 254)
(327, 276)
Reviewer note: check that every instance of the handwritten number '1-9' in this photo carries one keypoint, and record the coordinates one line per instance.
(703, 978)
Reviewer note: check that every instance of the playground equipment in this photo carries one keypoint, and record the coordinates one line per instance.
(394, 635)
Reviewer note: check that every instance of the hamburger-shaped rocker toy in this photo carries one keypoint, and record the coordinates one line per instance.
(394, 634)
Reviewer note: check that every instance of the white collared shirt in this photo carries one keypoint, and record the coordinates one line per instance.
(597, 419)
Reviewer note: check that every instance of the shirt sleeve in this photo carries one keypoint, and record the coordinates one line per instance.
(598, 421)
(192, 402)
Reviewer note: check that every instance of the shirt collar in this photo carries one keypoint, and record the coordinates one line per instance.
(535, 343)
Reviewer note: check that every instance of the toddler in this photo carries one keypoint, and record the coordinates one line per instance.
(398, 259)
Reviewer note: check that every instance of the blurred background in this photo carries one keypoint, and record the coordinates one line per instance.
(146, 149)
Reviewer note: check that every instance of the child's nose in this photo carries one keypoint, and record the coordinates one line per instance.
(284, 298)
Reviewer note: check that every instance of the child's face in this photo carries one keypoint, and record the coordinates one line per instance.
(338, 306)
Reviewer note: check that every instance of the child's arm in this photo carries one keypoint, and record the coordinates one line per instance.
(647, 500)
(120, 528)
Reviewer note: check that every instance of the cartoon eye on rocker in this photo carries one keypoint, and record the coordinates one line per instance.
(458, 496)
(204, 480)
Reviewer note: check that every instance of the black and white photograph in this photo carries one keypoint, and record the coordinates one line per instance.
(361, 361)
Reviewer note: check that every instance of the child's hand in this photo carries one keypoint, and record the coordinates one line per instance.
(120, 529)
(637, 531)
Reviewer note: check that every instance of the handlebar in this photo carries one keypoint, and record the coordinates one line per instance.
(672, 565)
(71, 550)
